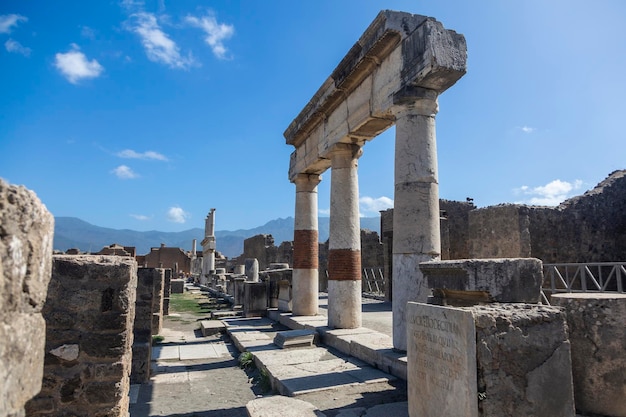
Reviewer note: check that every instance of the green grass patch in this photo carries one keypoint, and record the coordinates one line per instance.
(189, 303)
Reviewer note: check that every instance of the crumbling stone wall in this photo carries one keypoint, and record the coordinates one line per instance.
(89, 313)
(26, 232)
(456, 228)
(157, 301)
(142, 328)
(586, 228)
(262, 248)
(165, 257)
(371, 250)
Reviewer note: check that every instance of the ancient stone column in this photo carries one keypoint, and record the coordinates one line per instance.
(344, 251)
(305, 246)
(416, 236)
(208, 244)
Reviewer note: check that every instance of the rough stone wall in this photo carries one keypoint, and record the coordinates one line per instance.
(456, 214)
(157, 303)
(501, 231)
(26, 231)
(586, 228)
(142, 329)
(260, 247)
(523, 361)
(89, 313)
(371, 250)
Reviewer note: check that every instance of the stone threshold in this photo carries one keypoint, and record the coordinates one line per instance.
(370, 346)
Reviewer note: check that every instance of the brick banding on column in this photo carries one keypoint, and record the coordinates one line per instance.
(305, 249)
(344, 265)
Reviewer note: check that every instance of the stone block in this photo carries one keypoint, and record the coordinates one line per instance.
(255, 299)
(597, 333)
(284, 295)
(178, 286)
(280, 406)
(211, 327)
(509, 280)
(441, 353)
(295, 338)
(26, 234)
(523, 360)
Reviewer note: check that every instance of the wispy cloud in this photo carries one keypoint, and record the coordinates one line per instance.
(124, 172)
(177, 215)
(140, 217)
(551, 194)
(14, 46)
(129, 153)
(158, 45)
(323, 212)
(8, 21)
(527, 129)
(374, 205)
(75, 66)
(216, 33)
(87, 32)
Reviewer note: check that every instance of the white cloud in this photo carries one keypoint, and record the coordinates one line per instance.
(75, 66)
(125, 173)
(551, 194)
(158, 45)
(216, 33)
(374, 205)
(177, 215)
(129, 153)
(527, 129)
(16, 47)
(140, 217)
(7, 21)
(323, 212)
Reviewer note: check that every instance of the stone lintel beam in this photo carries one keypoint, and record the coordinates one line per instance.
(397, 52)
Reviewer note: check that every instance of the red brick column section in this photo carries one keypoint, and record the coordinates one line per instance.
(305, 249)
(345, 264)
(344, 247)
(305, 246)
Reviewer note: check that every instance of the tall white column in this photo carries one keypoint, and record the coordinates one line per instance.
(344, 252)
(305, 246)
(416, 235)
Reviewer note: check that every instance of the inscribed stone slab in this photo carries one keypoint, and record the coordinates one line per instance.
(441, 361)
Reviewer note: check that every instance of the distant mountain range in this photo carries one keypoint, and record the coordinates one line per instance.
(71, 232)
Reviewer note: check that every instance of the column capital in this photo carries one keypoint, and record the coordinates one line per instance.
(415, 100)
(344, 155)
(307, 182)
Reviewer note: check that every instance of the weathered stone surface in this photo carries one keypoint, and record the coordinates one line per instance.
(505, 280)
(157, 301)
(280, 406)
(142, 326)
(295, 338)
(255, 299)
(177, 286)
(441, 353)
(92, 290)
(597, 332)
(26, 232)
(523, 361)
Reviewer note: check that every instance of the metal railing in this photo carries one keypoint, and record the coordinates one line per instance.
(583, 277)
(373, 281)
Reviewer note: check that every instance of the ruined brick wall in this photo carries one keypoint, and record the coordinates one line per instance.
(89, 313)
(158, 292)
(26, 231)
(262, 248)
(164, 257)
(501, 231)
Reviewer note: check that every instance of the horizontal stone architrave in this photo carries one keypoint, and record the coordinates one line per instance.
(397, 52)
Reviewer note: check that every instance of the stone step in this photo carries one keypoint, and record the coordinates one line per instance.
(221, 314)
(295, 338)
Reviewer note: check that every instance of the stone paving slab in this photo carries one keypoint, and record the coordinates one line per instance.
(160, 353)
(189, 351)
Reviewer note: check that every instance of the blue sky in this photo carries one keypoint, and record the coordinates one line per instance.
(145, 114)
